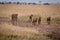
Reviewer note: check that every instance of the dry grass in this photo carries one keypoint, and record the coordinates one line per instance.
(10, 32)
(10, 29)
(25, 10)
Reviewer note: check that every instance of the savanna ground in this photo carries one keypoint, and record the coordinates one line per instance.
(25, 30)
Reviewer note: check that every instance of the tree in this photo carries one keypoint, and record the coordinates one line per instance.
(34, 3)
(46, 4)
(18, 2)
(2, 2)
(40, 2)
(9, 2)
(29, 3)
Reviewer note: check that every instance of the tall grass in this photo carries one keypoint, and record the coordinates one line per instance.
(56, 20)
(24, 37)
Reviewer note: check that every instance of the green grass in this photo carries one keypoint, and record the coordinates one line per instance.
(23, 18)
(26, 18)
(56, 20)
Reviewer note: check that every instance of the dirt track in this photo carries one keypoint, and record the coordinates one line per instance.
(43, 27)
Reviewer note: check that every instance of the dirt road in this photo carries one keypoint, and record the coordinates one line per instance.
(43, 27)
